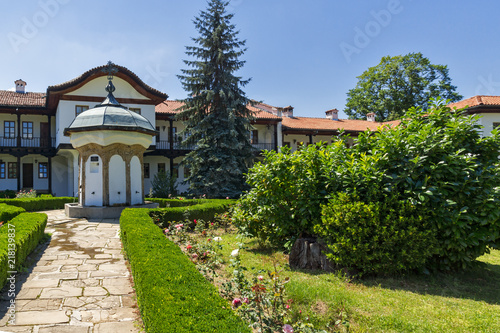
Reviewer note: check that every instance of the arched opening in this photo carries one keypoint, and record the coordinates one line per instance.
(117, 184)
(93, 181)
(136, 181)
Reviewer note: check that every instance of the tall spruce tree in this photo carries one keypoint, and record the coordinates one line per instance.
(215, 113)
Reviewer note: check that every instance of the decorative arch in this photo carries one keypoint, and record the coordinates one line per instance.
(116, 151)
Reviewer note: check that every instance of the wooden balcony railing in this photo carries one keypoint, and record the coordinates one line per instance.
(165, 145)
(263, 146)
(28, 142)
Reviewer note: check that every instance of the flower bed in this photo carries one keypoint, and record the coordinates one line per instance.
(172, 295)
(27, 229)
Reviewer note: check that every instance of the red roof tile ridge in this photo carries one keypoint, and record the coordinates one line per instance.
(268, 105)
(85, 74)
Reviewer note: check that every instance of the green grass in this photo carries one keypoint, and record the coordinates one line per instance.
(457, 302)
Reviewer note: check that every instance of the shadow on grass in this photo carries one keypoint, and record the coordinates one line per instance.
(479, 283)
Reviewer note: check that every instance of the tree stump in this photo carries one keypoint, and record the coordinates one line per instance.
(308, 253)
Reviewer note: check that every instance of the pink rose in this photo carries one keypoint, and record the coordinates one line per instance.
(236, 302)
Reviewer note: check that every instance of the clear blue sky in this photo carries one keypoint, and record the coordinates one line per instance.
(295, 48)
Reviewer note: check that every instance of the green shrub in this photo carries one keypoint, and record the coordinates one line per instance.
(287, 192)
(385, 237)
(172, 295)
(8, 212)
(8, 194)
(439, 163)
(435, 160)
(29, 230)
(39, 204)
(164, 185)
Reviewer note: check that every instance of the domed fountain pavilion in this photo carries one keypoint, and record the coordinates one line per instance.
(111, 141)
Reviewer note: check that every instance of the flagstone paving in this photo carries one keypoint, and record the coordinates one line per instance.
(79, 283)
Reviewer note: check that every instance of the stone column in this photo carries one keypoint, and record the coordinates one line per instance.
(49, 173)
(105, 179)
(81, 173)
(128, 197)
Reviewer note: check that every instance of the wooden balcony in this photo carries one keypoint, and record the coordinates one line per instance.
(263, 146)
(166, 145)
(33, 145)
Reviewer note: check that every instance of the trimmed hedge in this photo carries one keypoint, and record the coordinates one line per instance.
(40, 203)
(174, 202)
(172, 295)
(29, 229)
(187, 202)
(198, 209)
(8, 212)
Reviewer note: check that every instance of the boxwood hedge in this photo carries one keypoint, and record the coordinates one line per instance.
(188, 202)
(28, 230)
(172, 295)
(193, 209)
(8, 212)
(40, 203)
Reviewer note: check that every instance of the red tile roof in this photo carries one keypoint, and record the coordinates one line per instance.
(170, 107)
(261, 114)
(12, 98)
(323, 124)
(476, 101)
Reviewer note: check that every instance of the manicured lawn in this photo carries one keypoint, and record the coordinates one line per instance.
(455, 302)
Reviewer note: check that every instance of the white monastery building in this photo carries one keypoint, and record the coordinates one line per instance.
(36, 151)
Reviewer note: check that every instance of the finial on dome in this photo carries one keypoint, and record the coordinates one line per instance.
(110, 69)
(110, 88)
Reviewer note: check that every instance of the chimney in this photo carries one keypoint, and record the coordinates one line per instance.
(332, 114)
(288, 111)
(20, 86)
(370, 116)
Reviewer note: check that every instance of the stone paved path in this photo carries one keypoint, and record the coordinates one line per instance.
(79, 283)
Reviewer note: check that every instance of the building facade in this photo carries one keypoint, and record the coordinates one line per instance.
(35, 154)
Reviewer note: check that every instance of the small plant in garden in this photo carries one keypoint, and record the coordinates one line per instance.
(26, 194)
(203, 250)
(262, 301)
(164, 185)
(223, 220)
